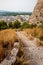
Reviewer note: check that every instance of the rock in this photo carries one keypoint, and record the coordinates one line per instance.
(11, 58)
(37, 15)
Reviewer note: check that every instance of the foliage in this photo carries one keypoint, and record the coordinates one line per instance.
(10, 25)
(3, 25)
(24, 25)
(27, 25)
(16, 24)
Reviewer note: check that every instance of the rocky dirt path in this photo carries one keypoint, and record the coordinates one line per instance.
(32, 52)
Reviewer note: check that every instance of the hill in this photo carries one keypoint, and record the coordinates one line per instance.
(8, 13)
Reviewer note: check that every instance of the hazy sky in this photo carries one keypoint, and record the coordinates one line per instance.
(17, 5)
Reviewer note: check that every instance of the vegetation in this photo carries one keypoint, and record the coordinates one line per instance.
(5, 13)
(7, 39)
(3, 25)
(10, 25)
(24, 25)
(39, 33)
(9, 36)
(16, 24)
(20, 60)
(27, 25)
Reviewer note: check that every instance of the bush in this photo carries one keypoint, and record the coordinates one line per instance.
(16, 24)
(27, 25)
(3, 25)
(24, 25)
(10, 25)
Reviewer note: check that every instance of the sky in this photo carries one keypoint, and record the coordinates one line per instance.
(18, 5)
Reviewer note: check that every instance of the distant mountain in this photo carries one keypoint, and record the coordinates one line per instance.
(9, 13)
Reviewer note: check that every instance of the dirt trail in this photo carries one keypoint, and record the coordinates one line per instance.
(32, 52)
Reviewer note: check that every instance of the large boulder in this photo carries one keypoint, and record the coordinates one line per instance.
(37, 15)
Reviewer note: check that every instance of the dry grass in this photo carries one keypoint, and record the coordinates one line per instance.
(8, 35)
(39, 32)
(35, 32)
(29, 33)
(20, 57)
(7, 39)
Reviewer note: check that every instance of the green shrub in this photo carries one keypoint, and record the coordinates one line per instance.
(16, 24)
(3, 25)
(25, 25)
(10, 25)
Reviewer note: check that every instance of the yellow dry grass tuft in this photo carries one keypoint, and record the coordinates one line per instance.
(35, 32)
(7, 39)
